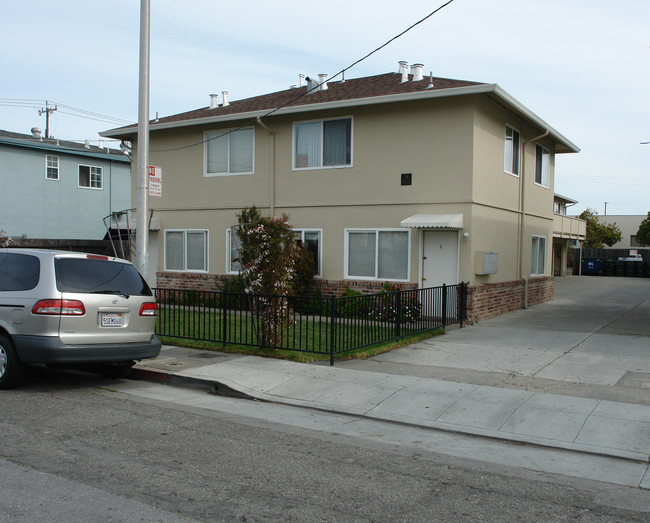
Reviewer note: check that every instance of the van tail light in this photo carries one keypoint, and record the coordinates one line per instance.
(149, 309)
(59, 308)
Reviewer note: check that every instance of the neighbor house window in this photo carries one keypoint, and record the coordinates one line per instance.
(324, 143)
(91, 177)
(311, 239)
(51, 167)
(511, 156)
(232, 252)
(381, 254)
(186, 250)
(229, 152)
(538, 256)
(542, 165)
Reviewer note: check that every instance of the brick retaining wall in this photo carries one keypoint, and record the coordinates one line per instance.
(483, 301)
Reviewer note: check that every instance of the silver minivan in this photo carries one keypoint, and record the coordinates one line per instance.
(59, 307)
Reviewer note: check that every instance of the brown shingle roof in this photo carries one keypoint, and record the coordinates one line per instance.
(338, 91)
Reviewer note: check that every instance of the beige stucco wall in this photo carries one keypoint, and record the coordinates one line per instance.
(458, 168)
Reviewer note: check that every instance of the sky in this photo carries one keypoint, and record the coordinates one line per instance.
(583, 66)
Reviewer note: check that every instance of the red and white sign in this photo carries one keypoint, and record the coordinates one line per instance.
(155, 181)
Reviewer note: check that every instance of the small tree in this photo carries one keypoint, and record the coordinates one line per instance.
(599, 234)
(273, 267)
(4, 240)
(643, 234)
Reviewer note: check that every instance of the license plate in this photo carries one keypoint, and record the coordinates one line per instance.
(112, 319)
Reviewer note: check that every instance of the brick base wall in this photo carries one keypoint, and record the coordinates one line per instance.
(483, 301)
(490, 300)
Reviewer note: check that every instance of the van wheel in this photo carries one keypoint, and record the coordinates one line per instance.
(11, 369)
(116, 370)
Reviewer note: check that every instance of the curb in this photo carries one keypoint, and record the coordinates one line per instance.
(221, 389)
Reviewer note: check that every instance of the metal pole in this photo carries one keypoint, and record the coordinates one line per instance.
(142, 225)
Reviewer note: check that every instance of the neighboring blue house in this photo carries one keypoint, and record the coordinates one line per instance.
(59, 190)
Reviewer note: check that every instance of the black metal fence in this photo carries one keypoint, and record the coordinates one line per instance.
(322, 325)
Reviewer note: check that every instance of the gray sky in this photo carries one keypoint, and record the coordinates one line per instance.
(581, 65)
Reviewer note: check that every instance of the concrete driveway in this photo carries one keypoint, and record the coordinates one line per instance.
(592, 340)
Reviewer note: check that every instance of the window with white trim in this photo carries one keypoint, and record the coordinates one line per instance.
(91, 177)
(232, 252)
(322, 143)
(512, 151)
(229, 152)
(51, 167)
(311, 239)
(378, 254)
(538, 256)
(186, 250)
(542, 165)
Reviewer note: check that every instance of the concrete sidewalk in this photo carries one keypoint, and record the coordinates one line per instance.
(590, 348)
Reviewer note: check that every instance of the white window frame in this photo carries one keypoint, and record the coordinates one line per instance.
(509, 152)
(229, 269)
(319, 261)
(348, 276)
(206, 235)
(212, 135)
(52, 157)
(322, 148)
(545, 173)
(98, 173)
(534, 255)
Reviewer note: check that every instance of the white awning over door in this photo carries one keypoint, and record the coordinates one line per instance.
(434, 221)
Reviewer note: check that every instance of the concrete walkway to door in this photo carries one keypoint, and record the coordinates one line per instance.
(592, 340)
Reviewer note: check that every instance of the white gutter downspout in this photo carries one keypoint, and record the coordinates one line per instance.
(272, 188)
(522, 211)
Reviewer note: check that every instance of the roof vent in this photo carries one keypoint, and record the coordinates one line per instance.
(322, 80)
(430, 86)
(214, 103)
(312, 85)
(36, 133)
(87, 144)
(404, 70)
(301, 80)
(226, 103)
(416, 70)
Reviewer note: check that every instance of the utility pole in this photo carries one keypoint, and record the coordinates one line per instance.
(47, 112)
(142, 218)
(605, 209)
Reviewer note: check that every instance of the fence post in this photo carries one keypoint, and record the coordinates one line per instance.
(224, 314)
(462, 302)
(332, 328)
(398, 308)
(444, 304)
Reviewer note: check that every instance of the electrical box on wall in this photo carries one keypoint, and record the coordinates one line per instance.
(486, 262)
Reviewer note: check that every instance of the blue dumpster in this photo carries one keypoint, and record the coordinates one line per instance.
(592, 266)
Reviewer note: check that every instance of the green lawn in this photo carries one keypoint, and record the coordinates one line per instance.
(306, 339)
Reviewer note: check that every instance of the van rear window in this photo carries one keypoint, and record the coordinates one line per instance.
(99, 277)
(18, 272)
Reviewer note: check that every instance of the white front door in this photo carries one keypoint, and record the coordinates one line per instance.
(440, 258)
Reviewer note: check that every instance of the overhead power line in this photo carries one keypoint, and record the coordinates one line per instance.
(341, 72)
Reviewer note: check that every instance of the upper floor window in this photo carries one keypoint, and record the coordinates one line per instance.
(229, 152)
(51, 167)
(91, 177)
(538, 256)
(511, 156)
(542, 165)
(323, 143)
(381, 254)
(557, 208)
(186, 250)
